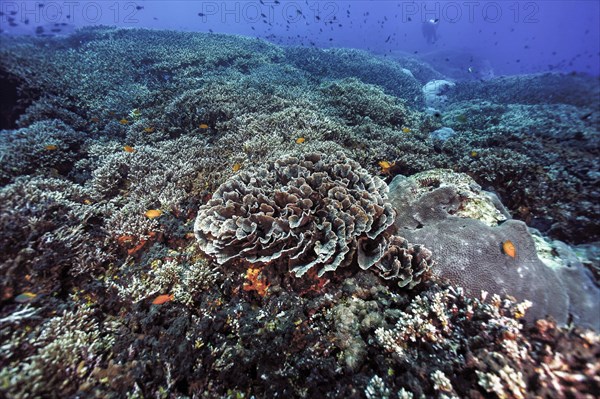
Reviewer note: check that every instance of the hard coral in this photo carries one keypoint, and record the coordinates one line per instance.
(312, 211)
(457, 221)
(407, 263)
(359, 103)
(47, 231)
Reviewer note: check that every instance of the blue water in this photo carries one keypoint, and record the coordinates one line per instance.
(260, 199)
(476, 39)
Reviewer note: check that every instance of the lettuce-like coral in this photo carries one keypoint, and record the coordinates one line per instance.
(309, 211)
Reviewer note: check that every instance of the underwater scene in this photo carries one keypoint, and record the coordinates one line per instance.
(299, 199)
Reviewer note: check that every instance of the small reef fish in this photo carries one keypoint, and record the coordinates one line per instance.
(462, 118)
(236, 167)
(203, 126)
(159, 300)
(300, 140)
(94, 119)
(51, 147)
(149, 129)
(153, 213)
(386, 166)
(25, 297)
(87, 201)
(128, 148)
(406, 130)
(586, 116)
(123, 121)
(509, 248)
(473, 154)
(255, 282)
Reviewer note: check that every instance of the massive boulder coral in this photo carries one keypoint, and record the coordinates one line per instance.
(459, 222)
(308, 211)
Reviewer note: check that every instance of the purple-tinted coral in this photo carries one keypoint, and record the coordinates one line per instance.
(448, 217)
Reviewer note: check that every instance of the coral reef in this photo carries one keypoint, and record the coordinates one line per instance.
(46, 147)
(117, 137)
(57, 356)
(48, 230)
(347, 63)
(547, 88)
(472, 256)
(358, 103)
(151, 69)
(543, 164)
(311, 211)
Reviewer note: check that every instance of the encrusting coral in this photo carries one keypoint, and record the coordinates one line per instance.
(311, 211)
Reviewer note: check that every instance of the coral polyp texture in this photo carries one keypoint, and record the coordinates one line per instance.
(449, 213)
(309, 211)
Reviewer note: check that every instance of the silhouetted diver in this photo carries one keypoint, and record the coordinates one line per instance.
(429, 29)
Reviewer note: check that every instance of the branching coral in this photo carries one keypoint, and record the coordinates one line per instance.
(62, 350)
(49, 146)
(438, 321)
(358, 102)
(182, 279)
(47, 229)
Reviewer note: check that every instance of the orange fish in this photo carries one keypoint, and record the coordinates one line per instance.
(148, 129)
(255, 283)
(123, 121)
(386, 166)
(51, 147)
(153, 213)
(159, 300)
(236, 167)
(128, 148)
(509, 248)
(203, 126)
(87, 201)
(300, 140)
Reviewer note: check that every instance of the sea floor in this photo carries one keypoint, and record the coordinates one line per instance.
(114, 141)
